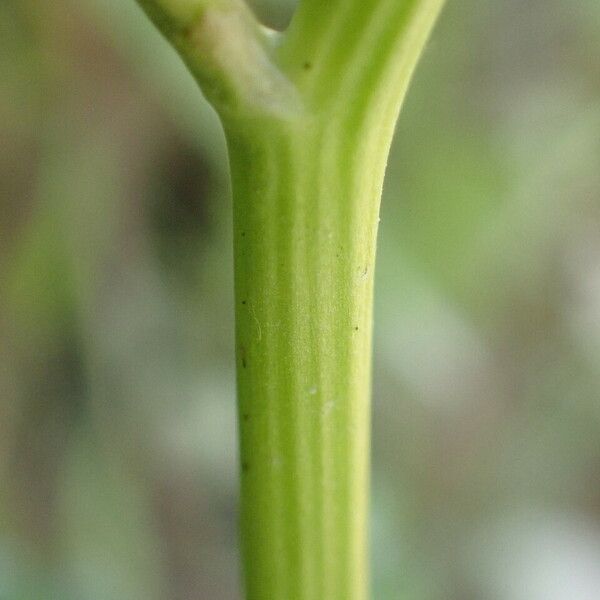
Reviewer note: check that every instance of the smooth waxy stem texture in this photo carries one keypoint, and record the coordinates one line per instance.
(309, 117)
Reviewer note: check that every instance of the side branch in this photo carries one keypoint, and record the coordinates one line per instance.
(342, 50)
(228, 52)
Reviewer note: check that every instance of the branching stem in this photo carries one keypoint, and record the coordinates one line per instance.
(229, 52)
(309, 117)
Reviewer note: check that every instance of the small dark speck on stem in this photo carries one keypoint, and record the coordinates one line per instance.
(246, 417)
(356, 329)
(244, 363)
(307, 66)
(243, 302)
(245, 467)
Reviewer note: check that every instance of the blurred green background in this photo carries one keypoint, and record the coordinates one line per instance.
(117, 435)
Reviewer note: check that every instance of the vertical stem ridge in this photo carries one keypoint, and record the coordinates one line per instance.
(305, 458)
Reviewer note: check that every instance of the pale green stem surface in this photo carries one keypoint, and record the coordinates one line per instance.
(309, 118)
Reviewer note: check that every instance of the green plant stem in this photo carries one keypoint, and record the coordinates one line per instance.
(309, 118)
(304, 250)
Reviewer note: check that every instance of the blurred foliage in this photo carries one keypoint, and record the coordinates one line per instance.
(117, 433)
